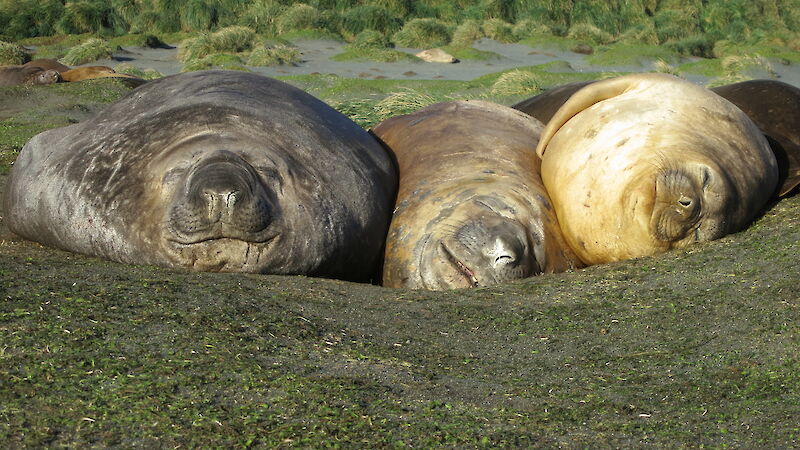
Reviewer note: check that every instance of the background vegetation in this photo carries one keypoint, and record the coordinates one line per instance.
(691, 27)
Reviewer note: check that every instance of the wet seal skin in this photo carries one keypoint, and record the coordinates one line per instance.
(643, 163)
(210, 171)
(471, 208)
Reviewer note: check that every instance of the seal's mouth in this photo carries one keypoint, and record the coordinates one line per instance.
(460, 266)
(225, 254)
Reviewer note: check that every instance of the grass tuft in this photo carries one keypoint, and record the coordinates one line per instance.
(232, 39)
(498, 30)
(466, 34)
(586, 32)
(662, 66)
(368, 17)
(90, 50)
(527, 28)
(741, 68)
(515, 82)
(229, 61)
(273, 55)
(423, 33)
(299, 16)
(12, 54)
(403, 102)
(130, 69)
(261, 16)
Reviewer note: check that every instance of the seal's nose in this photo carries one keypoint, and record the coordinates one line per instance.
(223, 197)
(506, 250)
(220, 191)
(492, 249)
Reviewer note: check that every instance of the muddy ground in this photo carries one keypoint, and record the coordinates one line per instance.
(697, 347)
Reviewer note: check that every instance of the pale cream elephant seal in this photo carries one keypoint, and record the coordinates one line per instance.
(643, 163)
(471, 208)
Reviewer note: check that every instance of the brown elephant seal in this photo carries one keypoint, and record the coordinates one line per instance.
(31, 75)
(774, 106)
(95, 72)
(212, 171)
(642, 163)
(47, 64)
(471, 209)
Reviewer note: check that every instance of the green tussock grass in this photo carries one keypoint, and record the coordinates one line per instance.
(233, 39)
(527, 28)
(466, 33)
(622, 54)
(130, 69)
(498, 30)
(368, 17)
(273, 55)
(742, 68)
(662, 66)
(261, 16)
(228, 61)
(404, 102)
(587, 32)
(12, 54)
(299, 16)
(423, 33)
(516, 83)
(86, 52)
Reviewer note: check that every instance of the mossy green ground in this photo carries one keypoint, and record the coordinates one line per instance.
(692, 348)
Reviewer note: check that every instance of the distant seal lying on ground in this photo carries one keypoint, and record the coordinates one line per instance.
(32, 75)
(84, 72)
(646, 162)
(774, 106)
(471, 208)
(210, 170)
(47, 64)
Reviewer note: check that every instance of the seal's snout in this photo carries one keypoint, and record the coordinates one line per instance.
(678, 205)
(490, 250)
(223, 197)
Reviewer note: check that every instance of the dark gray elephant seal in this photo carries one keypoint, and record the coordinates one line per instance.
(30, 75)
(212, 171)
(471, 207)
